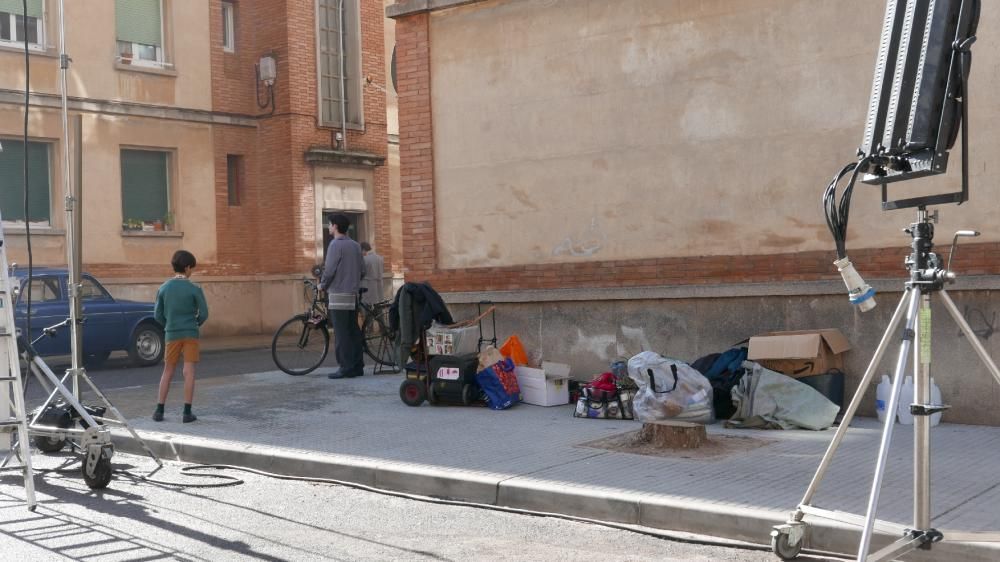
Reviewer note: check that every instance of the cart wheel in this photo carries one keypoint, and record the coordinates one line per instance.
(468, 396)
(412, 393)
(48, 444)
(102, 473)
(431, 397)
(785, 551)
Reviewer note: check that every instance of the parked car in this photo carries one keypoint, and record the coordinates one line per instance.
(109, 324)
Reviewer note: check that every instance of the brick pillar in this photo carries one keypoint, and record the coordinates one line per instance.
(416, 154)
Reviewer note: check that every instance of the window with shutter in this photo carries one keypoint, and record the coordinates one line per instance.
(12, 182)
(145, 186)
(139, 26)
(17, 27)
(335, 38)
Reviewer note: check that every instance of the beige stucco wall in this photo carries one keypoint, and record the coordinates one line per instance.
(571, 130)
(91, 43)
(192, 186)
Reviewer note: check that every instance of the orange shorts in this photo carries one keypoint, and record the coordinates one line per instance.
(187, 347)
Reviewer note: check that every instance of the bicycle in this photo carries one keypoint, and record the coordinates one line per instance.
(302, 343)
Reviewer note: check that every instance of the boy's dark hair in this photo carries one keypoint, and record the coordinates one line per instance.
(366, 246)
(342, 222)
(182, 260)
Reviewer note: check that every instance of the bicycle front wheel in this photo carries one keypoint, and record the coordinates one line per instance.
(300, 345)
(379, 341)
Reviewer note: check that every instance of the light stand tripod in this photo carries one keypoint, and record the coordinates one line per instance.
(927, 277)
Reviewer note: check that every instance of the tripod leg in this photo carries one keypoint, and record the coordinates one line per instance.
(855, 403)
(890, 422)
(970, 335)
(922, 424)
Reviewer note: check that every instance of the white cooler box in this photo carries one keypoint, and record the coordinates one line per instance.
(548, 386)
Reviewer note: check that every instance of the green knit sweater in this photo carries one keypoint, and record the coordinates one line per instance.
(180, 308)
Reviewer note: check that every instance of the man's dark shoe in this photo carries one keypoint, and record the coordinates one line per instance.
(358, 374)
(338, 374)
(157, 416)
(189, 417)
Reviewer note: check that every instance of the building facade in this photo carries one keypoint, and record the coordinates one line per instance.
(647, 174)
(228, 128)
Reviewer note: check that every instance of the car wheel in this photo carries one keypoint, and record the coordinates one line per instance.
(147, 345)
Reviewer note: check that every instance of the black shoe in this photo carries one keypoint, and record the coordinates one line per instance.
(338, 374)
(157, 416)
(355, 375)
(189, 417)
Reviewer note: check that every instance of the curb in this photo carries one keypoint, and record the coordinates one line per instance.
(719, 520)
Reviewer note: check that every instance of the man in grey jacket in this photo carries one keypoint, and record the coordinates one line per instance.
(341, 279)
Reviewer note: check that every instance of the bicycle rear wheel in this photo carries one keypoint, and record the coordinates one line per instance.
(300, 345)
(379, 341)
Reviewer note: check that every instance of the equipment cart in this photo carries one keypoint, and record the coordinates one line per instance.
(440, 372)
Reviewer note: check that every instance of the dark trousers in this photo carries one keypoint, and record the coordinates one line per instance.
(348, 342)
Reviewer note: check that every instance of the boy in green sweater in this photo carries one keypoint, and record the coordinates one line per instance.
(180, 309)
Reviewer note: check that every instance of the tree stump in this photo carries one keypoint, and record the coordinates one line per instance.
(673, 434)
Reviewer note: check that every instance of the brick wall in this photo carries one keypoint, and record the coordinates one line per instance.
(276, 222)
(273, 230)
(416, 153)
(419, 232)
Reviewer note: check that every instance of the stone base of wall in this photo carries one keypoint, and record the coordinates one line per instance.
(590, 328)
(237, 306)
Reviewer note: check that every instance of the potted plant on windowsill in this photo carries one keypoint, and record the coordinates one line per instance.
(125, 58)
(158, 225)
(168, 221)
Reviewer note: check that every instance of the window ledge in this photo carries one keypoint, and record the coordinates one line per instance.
(19, 230)
(158, 70)
(42, 52)
(152, 234)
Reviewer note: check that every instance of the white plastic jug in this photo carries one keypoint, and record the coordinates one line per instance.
(936, 400)
(882, 393)
(905, 399)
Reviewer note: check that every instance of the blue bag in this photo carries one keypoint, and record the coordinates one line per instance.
(499, 384)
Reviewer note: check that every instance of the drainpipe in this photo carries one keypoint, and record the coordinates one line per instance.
(343, 78)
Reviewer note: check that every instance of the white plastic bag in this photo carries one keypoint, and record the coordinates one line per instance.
(669, 389)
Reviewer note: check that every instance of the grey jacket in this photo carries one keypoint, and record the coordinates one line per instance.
(344, 267)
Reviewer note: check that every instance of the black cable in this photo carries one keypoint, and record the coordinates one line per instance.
(838, 212)
(27, 105)
(189, 470)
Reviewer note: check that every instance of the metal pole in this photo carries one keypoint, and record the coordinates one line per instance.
(890, 422)
(78, 223)
(859, 396)
(71, 241)
(921, 424)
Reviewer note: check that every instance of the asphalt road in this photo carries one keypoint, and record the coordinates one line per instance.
(117, 373)
(271, 520)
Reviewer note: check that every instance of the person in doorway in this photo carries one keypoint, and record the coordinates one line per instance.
(181, 310)
(342, 274)
(374, 271)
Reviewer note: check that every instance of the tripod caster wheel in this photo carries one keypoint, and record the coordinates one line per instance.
(102, 473)
(783, 549)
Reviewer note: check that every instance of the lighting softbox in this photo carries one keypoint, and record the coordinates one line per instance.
(917, 92)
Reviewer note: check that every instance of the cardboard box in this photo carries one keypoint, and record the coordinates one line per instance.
(548, 386)
(801, 353)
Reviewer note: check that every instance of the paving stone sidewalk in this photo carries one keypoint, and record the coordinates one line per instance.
(541, 457)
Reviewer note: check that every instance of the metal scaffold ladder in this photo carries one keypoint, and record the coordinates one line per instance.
(12, 412)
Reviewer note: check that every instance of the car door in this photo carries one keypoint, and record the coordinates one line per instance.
(104, 323)
(48, 307)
